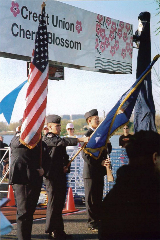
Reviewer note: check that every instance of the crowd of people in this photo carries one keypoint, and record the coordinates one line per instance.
(131, 209)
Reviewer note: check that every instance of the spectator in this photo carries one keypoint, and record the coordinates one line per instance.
(131, 210)
(125, 138)
(70, 130)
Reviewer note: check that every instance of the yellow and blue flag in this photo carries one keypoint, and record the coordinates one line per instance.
(117, 117)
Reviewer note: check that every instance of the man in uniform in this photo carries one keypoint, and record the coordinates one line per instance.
(55, 180)
(26, 177)
(93, 174)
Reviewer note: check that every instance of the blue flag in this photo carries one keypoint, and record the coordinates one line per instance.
(117, 117)
(7, 103)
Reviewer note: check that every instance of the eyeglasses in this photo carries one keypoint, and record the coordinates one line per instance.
(125, 128)
(70, 128)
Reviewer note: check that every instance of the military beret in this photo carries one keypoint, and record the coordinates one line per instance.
(91, 113)
(53, 119)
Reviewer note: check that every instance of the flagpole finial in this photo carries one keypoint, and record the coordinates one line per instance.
(43, 5)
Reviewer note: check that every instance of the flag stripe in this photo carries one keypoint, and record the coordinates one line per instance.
(34, 110)
(36, 97)
(34, 100)
(39, 123)
(36, 129)
(27, 131)
(37, 86)
(33, 78)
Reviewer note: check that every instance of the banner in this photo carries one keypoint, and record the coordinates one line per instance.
(77, 38)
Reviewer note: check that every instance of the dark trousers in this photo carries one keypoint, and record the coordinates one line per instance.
(26, 198)
(56, 191)
(93, 199)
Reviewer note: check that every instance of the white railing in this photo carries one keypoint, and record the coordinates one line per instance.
(75, 179)
(3, 176)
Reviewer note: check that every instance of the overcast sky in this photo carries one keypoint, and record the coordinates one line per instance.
(84, 90)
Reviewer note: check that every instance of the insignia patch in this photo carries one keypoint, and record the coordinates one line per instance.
(97, 139)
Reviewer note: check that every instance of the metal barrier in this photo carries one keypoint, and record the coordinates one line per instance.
(75, 177)
(3, 176)
(118, 158)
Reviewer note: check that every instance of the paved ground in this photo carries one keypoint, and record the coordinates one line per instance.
(75, 224)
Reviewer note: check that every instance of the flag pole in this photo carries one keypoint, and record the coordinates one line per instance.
(40, 160)
(43, 5)
(109, 172)
(76, 155)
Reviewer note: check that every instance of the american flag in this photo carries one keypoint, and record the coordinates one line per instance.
(36, 97)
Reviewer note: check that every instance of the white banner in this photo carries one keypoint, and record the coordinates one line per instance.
(77, 38)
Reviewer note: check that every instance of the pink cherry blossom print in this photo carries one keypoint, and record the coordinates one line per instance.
(102, 33)
(127, 26)
(111, 35)
(121, 25)
(98, 28)
(108, 21)
(119, 33)
(79, 26)
(113, 27)
(130, 52)
(131, 41)
(112, 51)
(107, 43)
(127, 46)
(116, 45)
(15, 8)
(123, 53)
(97, 43)
(102, 46)
(99, 18)
(125, 38)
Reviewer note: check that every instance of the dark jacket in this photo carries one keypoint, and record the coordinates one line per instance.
(25, 162)
(92, 167)
(57, 151)
(124, 140)
(131, 210)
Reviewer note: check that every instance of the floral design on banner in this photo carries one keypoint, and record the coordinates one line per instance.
(15, 8)
(79, 26)
(113, 36)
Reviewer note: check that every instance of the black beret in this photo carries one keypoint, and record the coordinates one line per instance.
(91, 113)
(53, 119)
